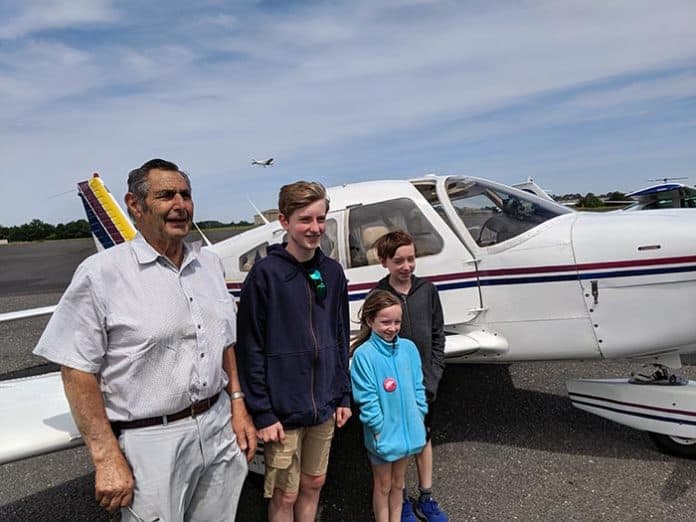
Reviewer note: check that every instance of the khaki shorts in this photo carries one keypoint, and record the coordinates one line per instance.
(305, 450)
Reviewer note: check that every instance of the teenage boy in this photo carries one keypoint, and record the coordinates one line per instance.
(422, 323)
(293, 354)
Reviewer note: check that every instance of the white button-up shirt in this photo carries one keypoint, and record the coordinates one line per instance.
(153, 333)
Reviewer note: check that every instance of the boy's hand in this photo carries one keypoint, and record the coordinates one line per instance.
(272, 433)
(342, 415)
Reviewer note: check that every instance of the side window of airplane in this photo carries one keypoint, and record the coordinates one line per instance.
(367, 223)
(247, 259)
(329, 245)
(329, 241)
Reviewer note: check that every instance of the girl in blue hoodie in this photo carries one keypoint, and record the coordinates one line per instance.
(388, 387)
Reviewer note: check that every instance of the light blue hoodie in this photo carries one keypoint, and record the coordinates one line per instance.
(388, 386)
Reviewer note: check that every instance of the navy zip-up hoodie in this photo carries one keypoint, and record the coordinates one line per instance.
(292, 346)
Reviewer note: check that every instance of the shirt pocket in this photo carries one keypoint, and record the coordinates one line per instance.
(154, 365)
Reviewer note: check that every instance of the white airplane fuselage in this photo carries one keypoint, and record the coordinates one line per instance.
(576, 286)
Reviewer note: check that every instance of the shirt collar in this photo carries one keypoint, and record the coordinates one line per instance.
(145, 253)
(386, 347)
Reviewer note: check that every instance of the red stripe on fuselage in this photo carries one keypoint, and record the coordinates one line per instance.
(531, 270)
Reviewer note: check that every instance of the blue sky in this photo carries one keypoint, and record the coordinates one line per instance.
(582, 96)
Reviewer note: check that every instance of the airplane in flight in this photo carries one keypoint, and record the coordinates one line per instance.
(521, 278)
(264, 163)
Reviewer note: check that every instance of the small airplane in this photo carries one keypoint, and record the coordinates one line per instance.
(264, 163)
(521, 278)
(663, 195)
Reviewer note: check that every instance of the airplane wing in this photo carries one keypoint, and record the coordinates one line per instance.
(41, 421)
(24, 314)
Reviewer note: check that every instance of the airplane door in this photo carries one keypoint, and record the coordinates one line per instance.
(440, 256)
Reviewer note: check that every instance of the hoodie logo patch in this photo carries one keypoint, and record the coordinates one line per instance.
(389, 384)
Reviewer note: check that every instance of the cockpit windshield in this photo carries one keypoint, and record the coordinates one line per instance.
(492, 214)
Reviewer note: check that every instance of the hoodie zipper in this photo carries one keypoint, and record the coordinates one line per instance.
(401, 400)
(404, 300)
(316, 350)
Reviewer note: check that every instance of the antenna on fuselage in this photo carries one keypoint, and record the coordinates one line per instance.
(203, 236)
(266, 222)
(665, 180)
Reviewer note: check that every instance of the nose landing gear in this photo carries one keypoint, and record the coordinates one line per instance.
(677, 446)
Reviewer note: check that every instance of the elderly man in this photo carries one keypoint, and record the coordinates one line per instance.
(144, 335)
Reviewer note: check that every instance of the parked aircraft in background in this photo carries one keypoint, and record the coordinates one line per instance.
(663, 195)
(264, 163)
(521, 278)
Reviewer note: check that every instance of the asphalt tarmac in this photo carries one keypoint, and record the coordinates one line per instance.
(508, 444)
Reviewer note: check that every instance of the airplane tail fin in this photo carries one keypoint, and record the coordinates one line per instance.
(531, 187)
(107, 221)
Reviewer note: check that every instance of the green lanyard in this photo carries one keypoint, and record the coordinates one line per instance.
(319, 285)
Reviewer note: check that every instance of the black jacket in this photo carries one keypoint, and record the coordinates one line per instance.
(422, 322)
(292, 346)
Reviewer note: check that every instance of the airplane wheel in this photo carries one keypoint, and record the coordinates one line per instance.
(677, 446)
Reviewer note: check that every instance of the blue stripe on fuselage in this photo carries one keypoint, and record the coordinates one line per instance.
(537, 279)
(635, 413)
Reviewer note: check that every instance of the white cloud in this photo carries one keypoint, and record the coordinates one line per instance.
(343, 86)
(40, 15)
(222, 20)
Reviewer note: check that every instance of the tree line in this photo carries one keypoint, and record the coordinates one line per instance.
(591, 200)
(37, 230)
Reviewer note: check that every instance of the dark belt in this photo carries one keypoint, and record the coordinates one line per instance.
(192, 411)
